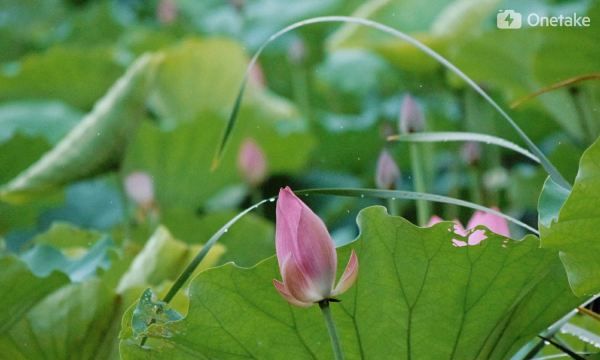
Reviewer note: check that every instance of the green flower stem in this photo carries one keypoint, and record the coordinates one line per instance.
(255, 198)
(394, 207)
(474, 188)
(300, 90)
(423, 207)
(333, 335)
(586, 118)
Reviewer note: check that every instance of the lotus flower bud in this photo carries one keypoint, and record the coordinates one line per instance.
(387, 173)
(252, 163)
(411, 116)
(471, 153)
(139, 187)
(166, 12)
(297, 52)
(306, 255)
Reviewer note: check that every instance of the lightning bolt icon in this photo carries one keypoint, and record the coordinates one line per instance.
(508, 19)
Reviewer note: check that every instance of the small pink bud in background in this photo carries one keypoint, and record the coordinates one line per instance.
(471, 153)
(252, 163)
(257, 76)
(297, 52)
(412, 118)
(139, 187)
(306, 255)
(494, 223)
(166, 12)
(387, 172)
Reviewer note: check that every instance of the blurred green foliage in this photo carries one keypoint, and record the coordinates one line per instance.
(78, 246)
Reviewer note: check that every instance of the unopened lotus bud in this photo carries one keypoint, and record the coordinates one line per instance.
(139, 187)
(412, 118)
(306, 255)
(166, 12)
(297, 52)
(387, 172)
(252, 163)
(471, 153)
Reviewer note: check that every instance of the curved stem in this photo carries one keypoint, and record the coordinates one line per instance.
(412, 195)
(189, 270)
(333, 335)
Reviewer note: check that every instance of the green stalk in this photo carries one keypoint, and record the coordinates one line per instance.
(333, 335)
(300, 90)
(394, 207)
(423, 207)
(474, 188)
(586, 118)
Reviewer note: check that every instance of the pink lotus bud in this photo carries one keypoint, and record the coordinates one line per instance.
(471, 153)
(140, 188)
(166, 12)
(297, 52)
(252, 163)
(306, 255)
(411, 116)
(387, 173)
(495, 223)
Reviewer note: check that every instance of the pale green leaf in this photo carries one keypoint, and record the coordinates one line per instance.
(95, 143)
(575, 232)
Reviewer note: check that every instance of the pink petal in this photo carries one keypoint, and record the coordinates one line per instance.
(459, 229)
(252, 162)
(301, 234)
(495, 223)
(283, 291)
(434, 220)
(348, 277)
(476, 237)
(299, 286)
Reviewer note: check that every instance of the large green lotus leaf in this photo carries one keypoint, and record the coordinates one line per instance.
(21, 290)
(77, 319)
(95, 143)
(417, 296)
(198, 75)
(201, 75)
(179, 160)
(574, 233)
(439, 23)
(77, 76)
